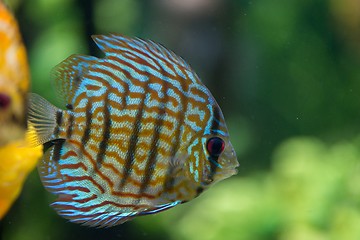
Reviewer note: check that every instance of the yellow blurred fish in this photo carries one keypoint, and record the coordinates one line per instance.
(17, 158)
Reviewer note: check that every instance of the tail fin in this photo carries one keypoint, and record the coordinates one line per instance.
(42, 117)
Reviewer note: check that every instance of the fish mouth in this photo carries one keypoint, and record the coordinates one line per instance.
(231, 164)
(224, 173)
(228, 172)
(230, 161)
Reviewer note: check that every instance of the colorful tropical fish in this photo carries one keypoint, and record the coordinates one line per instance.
(17, 158)
(140, 134)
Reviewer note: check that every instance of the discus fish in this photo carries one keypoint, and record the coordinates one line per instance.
(17, 158)
(140, 133)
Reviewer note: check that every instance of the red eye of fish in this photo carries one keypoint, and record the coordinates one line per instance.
(215, 146)
(4, 101)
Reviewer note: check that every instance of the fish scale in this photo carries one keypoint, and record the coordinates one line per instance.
(133, 140)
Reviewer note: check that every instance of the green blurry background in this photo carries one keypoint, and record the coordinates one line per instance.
(287, 76)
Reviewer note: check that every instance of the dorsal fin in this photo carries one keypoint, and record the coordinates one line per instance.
(67, 75)
(118, 43)
(152, 53)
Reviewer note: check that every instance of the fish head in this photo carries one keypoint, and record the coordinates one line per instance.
(220, 161)
(211, 156)
(213, 160)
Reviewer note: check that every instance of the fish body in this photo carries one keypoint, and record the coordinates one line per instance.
(140, 133)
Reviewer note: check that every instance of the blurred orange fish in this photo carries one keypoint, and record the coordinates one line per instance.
(17, 158)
